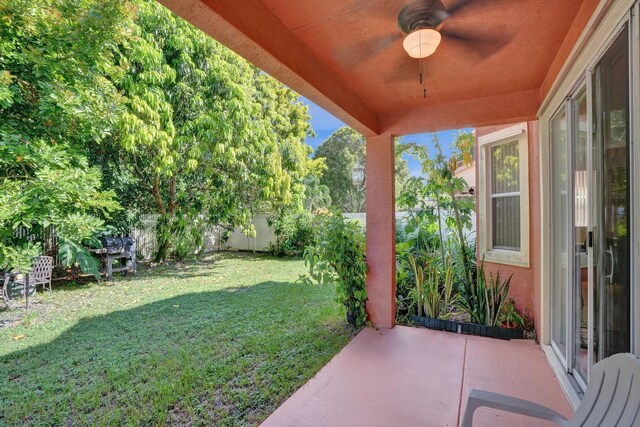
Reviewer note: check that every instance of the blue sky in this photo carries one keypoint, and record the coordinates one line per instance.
(324, 124)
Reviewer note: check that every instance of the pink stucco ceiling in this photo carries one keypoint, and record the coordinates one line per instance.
(347, 55)
(522, 39)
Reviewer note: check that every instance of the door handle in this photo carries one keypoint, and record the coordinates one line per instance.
(610, 275)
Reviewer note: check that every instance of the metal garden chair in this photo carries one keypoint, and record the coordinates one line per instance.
(612, 398)
(40, 274)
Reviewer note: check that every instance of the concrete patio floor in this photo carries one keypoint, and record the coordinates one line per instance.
(410, 376)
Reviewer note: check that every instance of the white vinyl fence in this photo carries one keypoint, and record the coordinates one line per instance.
(49, 238)
(146, 243)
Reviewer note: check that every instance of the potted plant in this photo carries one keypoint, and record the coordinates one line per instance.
(509, 316)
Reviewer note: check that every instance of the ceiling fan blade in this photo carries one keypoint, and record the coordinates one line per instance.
(351, 56)
(482, 45)
(456, 6)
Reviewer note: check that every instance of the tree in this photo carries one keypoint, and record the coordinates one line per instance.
(439, 191)
(54, 98)
(341, 151)
(204, 131)
(316, 194)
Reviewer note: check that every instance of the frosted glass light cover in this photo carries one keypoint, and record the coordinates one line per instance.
(422, 43)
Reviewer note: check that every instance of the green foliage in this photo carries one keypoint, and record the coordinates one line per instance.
(418, 291)
(484, 300)
(175, 121)
(509, 315)
(438, 290)
(338, 257)
(181, 236)
(433, 232)
(294, 233)
(54, 98)
(317, 195)
(441, 190)
(341, 150)
(434, 293)
(72, 252)
(49, 185)
(52, 69)
(18, 256)
(203, 130)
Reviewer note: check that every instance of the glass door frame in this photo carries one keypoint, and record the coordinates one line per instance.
(565, 356)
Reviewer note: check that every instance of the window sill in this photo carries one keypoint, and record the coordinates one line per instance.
(515, 258)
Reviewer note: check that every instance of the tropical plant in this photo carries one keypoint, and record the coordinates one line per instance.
(509, 315)
(434, 291)
(338, 257)
(417, 292)
(438, 193)
(483, 300)
(49, 186)
(183, 234)
(55, 99)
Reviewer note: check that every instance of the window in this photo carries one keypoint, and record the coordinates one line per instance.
(503, 233)
(505, 196)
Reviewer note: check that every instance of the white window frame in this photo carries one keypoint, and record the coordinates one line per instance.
(519, 258)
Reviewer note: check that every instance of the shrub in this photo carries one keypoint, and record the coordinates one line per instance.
(181, 236)
(484, 300)
(294, 233)
(433, 293)
(338, 256)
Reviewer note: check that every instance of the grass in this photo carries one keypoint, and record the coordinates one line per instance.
(223, 341)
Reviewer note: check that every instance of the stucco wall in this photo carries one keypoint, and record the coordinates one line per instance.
(525, 285)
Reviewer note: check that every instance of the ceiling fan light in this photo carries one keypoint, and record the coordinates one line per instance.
(422, 43)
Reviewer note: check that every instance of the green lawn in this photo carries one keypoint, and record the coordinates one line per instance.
(222, 341)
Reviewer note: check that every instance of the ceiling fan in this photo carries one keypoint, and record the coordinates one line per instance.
(422, 23)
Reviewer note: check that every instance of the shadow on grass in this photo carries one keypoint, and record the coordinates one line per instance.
(227, 357)
(182, 270)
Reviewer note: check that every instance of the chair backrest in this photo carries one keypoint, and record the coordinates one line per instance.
(613, 395)
(42, 268)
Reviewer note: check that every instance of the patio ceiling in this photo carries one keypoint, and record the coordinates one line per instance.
(347, 56)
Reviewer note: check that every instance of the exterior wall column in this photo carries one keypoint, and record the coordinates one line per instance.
(381, 231)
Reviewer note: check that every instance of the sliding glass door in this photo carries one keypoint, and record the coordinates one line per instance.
(591, 216)
(613, 219)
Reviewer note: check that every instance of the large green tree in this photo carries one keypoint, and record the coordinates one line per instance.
(204, 131)
(341, 151)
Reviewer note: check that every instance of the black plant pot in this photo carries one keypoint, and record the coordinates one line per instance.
(470, 328)
(351, 318)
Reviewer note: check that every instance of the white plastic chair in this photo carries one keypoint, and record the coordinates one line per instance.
(40, 274)
(612, 398)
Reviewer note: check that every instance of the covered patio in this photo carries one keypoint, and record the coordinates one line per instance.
(409, 376)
